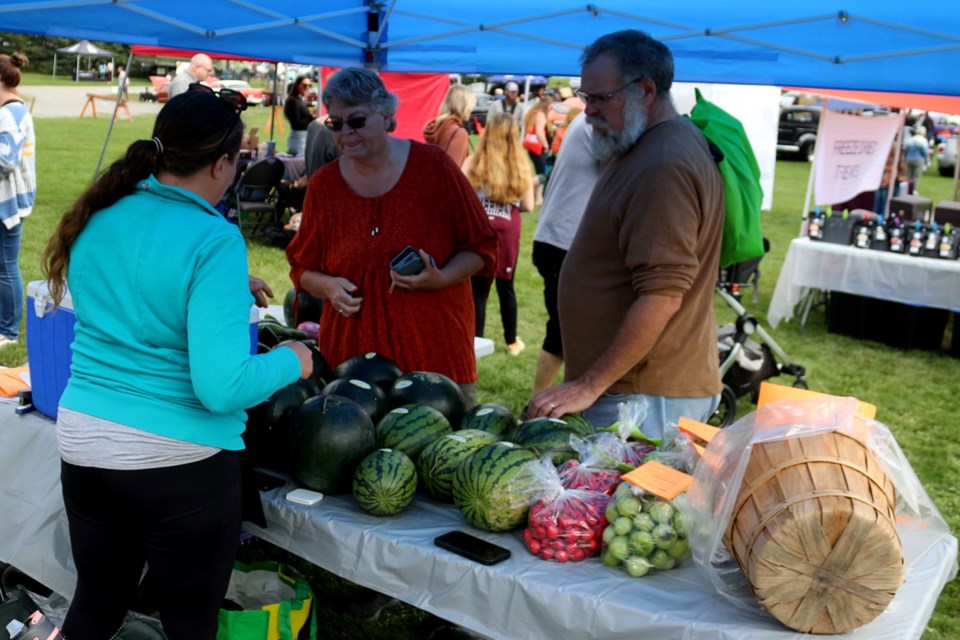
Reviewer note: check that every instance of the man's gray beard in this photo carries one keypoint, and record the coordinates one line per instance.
(608, 144)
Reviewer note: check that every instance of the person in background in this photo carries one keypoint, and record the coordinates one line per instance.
(18, 191)
(298, 114)
(636, 287)
(320, 149)
(561, 129)
(509, 104)
(447, 130)
(149, 426)
(123, 82)
(382, 194)
(571, 184)
(199, 69)
(500, 174)
(535, 123)
(916, 152)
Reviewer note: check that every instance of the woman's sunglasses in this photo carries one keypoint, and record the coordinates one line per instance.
(233, 99)
(357, 122)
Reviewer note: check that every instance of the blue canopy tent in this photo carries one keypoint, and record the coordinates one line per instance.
(877, 45)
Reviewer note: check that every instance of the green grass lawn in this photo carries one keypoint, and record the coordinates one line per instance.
(914, 390)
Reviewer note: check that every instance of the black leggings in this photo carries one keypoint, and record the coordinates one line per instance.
(549, 259)
(182, 521)
(508, 305)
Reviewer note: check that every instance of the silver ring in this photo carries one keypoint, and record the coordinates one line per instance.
(552, 406)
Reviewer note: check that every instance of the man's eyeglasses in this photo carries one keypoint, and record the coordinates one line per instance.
(233, 99)
(598, 99)
(356, 122)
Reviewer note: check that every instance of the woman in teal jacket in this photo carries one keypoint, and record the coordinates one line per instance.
(150, 423)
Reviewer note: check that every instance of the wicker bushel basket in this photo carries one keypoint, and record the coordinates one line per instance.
(813, 530)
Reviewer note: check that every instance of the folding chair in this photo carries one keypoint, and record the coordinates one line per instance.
(256, 193)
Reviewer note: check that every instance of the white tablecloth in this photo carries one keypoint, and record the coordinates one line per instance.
(926, 282)
(523, 597)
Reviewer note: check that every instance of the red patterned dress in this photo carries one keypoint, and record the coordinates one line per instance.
(432, 207)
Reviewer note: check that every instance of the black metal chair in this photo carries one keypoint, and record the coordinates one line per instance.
(256, 193)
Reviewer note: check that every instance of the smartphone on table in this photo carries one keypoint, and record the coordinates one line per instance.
(472, 547)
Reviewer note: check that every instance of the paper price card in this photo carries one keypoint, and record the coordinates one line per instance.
(659, 479)
(698, 433)
(770, 392)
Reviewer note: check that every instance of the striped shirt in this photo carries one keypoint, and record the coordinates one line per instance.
(18, 174)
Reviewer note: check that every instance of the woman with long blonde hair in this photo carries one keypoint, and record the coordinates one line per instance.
(500, 173)
(448, 130)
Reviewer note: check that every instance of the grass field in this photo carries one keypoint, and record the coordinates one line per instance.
(914, 390)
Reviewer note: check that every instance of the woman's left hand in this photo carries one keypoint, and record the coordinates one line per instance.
(431, 278)
(260, 290)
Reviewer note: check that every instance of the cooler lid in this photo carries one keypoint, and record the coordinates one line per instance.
(42, 302)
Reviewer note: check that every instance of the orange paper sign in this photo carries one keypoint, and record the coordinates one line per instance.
(698, 430)
(770, 392)
(659, 479)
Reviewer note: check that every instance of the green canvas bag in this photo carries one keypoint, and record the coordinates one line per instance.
(277, 605)
(742, 235)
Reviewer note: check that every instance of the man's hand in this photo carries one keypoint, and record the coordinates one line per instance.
(569, 397)
(260, 290)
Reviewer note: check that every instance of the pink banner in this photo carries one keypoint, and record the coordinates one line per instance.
(851, 154)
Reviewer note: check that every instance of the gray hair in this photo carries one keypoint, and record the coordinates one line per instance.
(639, 56)
(355, 86)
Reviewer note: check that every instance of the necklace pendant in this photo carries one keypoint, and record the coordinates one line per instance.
(375, 231)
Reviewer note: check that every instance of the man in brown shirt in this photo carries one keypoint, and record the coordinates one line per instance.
(636, 288)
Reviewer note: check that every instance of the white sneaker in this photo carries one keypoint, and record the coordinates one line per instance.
(6, 342)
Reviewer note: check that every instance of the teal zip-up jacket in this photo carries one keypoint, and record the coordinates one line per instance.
(162, 339)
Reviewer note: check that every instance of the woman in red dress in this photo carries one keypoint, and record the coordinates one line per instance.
(500, 174)
(383, 194)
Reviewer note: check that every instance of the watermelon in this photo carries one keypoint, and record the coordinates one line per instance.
(369, 396)
(370, 367)
(579, 424)
(492, 417)
(384, 482)
(411, 428)
(546, 437)
(437, 463)
(265, 437)
(329, 436)
(432, 389)
(482, 491)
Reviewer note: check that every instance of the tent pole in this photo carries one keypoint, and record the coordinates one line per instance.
(956, 175)
(54, 65)
(116, 107)
(894, 176)
(77, 78)
(273, 106)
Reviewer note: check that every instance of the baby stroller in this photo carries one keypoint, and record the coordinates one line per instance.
(748, 355)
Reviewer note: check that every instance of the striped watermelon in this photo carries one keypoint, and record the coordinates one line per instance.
(384, 482)
(546, 437)
(482, 486)
(579, 424)
(411, 428)
(440, 459)
(492, 417)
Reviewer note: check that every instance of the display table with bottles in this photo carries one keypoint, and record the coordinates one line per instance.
(823, 266)
(523, 597)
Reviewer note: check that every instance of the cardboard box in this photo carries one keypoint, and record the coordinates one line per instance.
(49, 352)
(50, 340)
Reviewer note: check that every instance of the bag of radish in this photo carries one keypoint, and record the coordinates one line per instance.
(564, 525)
(600, 463)
(637, 445)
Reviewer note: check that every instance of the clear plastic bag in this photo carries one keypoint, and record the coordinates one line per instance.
(599, 466)
(719, 476)
(644, 532)
(564, 524)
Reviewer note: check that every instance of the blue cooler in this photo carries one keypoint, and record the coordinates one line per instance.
(49, 340)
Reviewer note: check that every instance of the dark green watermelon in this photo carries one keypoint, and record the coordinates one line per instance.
(373, 368)
(579, 424)
(546, 437)
(491, 417)
(411, 428)
(268, 423)
(384, 482)
(482, 486)
(437, 463)
(329, 436)
(431, 389)
(367, 395)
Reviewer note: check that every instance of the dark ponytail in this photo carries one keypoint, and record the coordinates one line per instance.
(192, 131)
(10, 69)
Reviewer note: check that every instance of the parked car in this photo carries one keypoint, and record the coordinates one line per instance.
(254, 96)
(797, 133)
(947, 156)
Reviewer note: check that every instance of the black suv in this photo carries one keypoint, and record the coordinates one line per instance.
(798, 131)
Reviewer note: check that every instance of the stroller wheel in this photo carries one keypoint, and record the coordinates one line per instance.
(800, 383)
(726, 410)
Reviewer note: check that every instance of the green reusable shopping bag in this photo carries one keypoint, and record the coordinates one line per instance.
(277, 605)
(742, 236)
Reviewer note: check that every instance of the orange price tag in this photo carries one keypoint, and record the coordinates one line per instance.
(659, 479)
(770, 392)
(698, 430)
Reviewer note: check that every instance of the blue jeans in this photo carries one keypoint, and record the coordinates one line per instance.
(661, 410)
(11, 287)
(297, 142)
